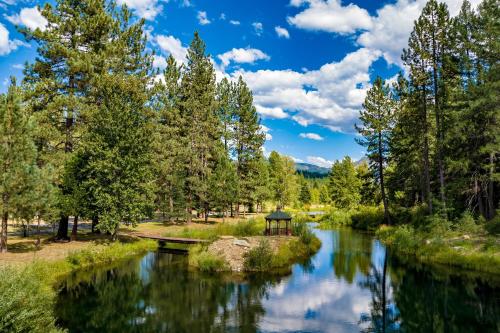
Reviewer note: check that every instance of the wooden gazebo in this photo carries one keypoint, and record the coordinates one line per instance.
(278, 217)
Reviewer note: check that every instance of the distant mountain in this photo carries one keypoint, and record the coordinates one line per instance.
(364, 159)
(311, 170)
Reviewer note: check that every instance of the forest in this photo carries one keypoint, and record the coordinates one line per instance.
(95, 138)
(94, 132)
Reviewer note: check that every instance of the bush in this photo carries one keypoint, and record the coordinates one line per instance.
(467, 224)
(493, 226)
(368, 218)
(26, 302)
(208, 262)
(336, 217)
(259, 258)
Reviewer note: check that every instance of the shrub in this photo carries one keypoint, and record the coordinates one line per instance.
(208, 262)
(26, 302)
(493, 226)
(368, 218)
(259, 258)
(466, 223)
(336, 217)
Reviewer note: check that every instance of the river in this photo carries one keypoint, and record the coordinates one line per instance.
(353, 284)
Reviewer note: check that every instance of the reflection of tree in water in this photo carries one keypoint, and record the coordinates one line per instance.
(423, 301)
(383, 316)
(351, 253)
(429, 302)
(163, 297)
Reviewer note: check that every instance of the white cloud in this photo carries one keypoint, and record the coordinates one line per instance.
(242, 56)
(202, 18)
(147, 9)
(319, 161)
(186, 3)
(258, 27)
(173, 46)
(295, 159)
(234, 22)
(18, 66)
(282, 32)
(30, 18)
(159, 62)
(222, 16)
(393, 24)
(312, 136)
(264, 129)
(276, 113)
(7, 45)
(330, 16)
(330, 96)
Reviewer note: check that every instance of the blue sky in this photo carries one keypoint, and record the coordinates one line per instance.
(308, 62)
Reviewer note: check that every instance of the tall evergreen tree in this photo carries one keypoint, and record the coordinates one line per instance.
(18, 167)
(83, 40)
(376, 125)
(117, 151)
(202, 130)
(248, 140)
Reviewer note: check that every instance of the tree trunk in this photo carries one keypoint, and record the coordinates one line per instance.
(62, 230)
(206, 213)
(74, 230)
(3, 237)
(427, 181)
(381, 172)
(38, 241)
(95, 222)
(384, 297)
(490, 190)
(237, 210)
(189, 209)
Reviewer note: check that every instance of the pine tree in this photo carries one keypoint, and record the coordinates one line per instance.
(376, 125)
(116, 151)
(223, 185)
(344, 184)
(83, 40)
(201, 126)
(248, 140)
(18, 167)
(169, 143)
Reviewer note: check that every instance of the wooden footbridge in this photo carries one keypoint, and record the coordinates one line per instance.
(177, 240)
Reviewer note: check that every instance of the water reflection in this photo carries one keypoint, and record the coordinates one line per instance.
(351, 285)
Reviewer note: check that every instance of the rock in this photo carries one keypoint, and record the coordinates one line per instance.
(466, 237)
(457, 248)
(241, 242)
(428, 241)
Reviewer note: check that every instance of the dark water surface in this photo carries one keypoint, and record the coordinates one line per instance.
(351, 285)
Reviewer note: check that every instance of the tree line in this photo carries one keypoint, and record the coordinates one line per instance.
(96, 133)
(432, 137)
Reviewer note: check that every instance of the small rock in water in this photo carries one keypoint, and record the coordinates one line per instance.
(241, 242)
(466, 237)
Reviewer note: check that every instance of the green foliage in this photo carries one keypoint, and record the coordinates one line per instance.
(260, 258)
(367, 218)
(283, 179)
(206, 262)
(25, 301)
(251, 227)
(344, 184)
(493, 226)
(109, 253)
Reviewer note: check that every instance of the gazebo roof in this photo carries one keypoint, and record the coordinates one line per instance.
(278, 215)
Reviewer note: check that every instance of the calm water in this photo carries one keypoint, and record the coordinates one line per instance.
(351, 285)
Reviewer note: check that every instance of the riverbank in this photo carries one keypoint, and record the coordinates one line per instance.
(465, 242)
(472, 251)
(28, 288)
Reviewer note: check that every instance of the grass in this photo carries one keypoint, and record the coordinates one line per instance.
(460, 245)
(251, 227)
(204, 261)
(28, 291)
